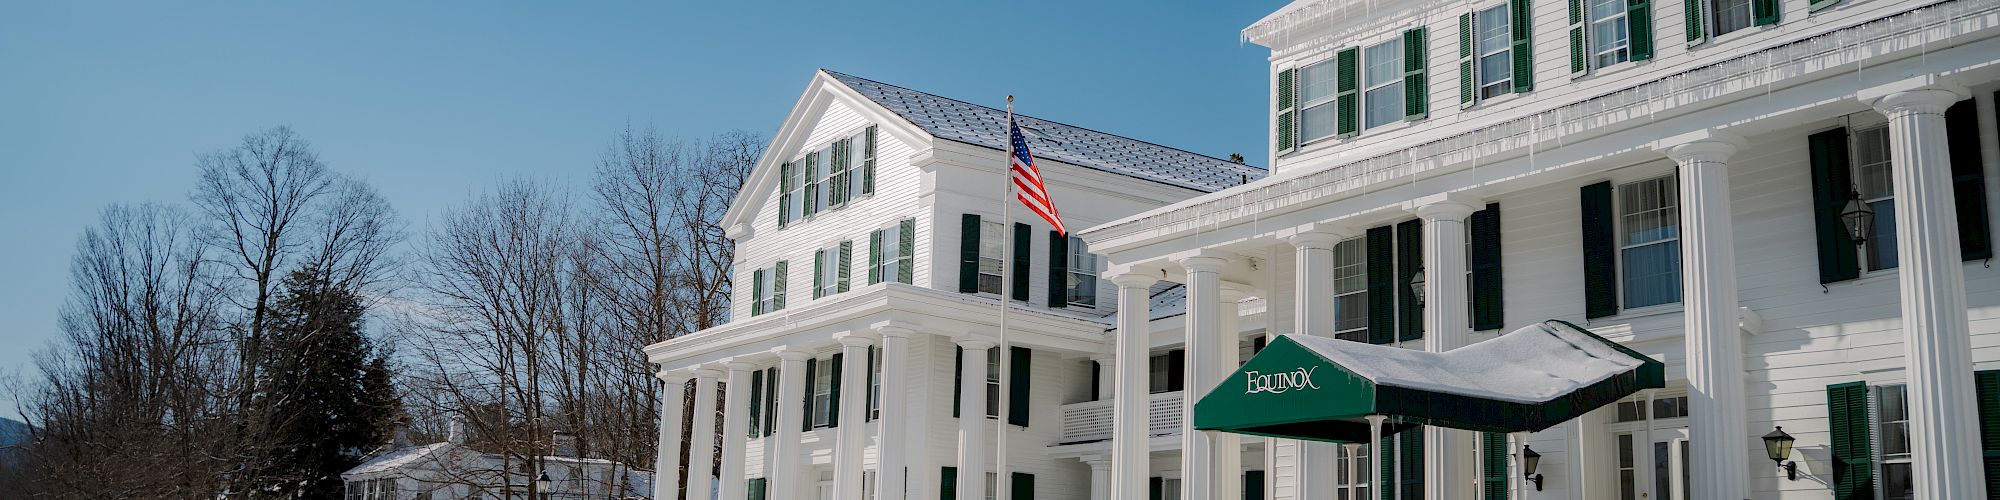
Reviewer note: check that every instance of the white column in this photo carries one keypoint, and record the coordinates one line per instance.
(1313, 310)
(891, 449)
(667, 465)
(786, 461)
(1100, 477)
(701, 442)
(849, 440)
(1130, 451)
(1204, 286)
(1937, 342)
(1449, 470)
(735, 424)
(1714, 343)
(1107, 379)
(972, 420)
(1228, 447)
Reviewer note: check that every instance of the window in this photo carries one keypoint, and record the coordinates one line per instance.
(1382, 83)
(1665, 455)
(1628, 468)
(1316, 92)
(1082, 287)
(1876, 186)
(862, 151)
(764, 289)
(840, 158)
(822, 392)
(992, 485)
(992, 242)
(1351, 470)
(1649, 241)
(1609, 40)
(816, 181)
(1163, 372)
(827, 263)
(993, 384)
(874, 383)
(1350, 290)
(1634, 410)
(1495, 52)
(771, 401)
(1730, 15)
(1892, 442)
(794, 190)
(894, 263)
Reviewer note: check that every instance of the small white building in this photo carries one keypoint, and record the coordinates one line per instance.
(451, 471)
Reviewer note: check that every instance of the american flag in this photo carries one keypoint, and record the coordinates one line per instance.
(1028, 179)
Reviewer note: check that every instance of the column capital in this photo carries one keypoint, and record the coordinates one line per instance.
(855, 338)
(1443, 206)
(975, 344)
(1205, 262)
(672, 376)
(1700, 146)
(706, 372)
(1927, 93)
(739, 366)
(1319, 235)
(893, 331)
(791, 353)
(1134, 280)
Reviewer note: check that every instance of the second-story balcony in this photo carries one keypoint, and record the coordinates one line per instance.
(1090, 421)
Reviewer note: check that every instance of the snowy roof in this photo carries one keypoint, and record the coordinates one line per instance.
(1169, 300)
(1534, 364)
(403, 458)
(960, 121)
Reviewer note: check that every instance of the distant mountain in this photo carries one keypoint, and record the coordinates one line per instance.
(12, 432)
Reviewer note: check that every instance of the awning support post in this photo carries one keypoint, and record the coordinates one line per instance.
(1374, 451)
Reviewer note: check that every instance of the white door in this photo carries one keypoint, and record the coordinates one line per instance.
(1670, 469)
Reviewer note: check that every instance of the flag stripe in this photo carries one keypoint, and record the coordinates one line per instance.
(1028, 179)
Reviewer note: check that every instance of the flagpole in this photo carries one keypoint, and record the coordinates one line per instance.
(1001, 484)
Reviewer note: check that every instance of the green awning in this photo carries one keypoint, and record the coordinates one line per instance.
(1322, 389)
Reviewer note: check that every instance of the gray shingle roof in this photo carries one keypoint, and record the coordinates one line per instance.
(960, 121)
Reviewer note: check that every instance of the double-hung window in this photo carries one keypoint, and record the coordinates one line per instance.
(890, 253)
(1649, 241)
(816, 181)
(1350, 290)
(1316, 93)
(1082, 285)
(1891, 410)
(1161, 371)
(1610, 39)
(793, 196)
(1729, 16)
(993, 384)
(1876, 187)
(1495, 52)
(822, 393)
(1382, 83)
(992, 242)
(1351, 472)
(840, 160)
(874, 383)
(827, 266)
(764, 290)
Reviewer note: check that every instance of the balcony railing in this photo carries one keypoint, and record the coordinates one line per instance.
(1091, 420)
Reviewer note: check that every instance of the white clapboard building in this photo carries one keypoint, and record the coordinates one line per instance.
(861, 358)
(1788, 202)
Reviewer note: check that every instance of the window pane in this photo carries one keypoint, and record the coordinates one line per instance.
(1871, 152)
(1316, 122)
(1384, 106)
(1496, 73)
(1316, 82)
(1663, 470)
(1653, 274)
(1896, 482)
(1882, 242)
(1492, 26)
(1650, 211)
(1350, 312)
(1385, 63)
(1731, 15)
(1605, 9)
(992, 241)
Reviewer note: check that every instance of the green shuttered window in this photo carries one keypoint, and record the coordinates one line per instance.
(1692, 19)
(1600, 252)
(948, 483)
(1347, 100)
(1409, 262)
(1381, 263)
(1058, 295)
(1020, 370)
(1493, 465)
(1830, 156)
(756, 489)
(1287, 101)
(1467, 89)
(1839, 260)
(1765, 12)
(1852, 447)
(1023, 239)
(1968, 180)
(1639, 26)
(756, 402)
(1486, 278)
(1022, 486)
(1522, 26)
(778, 285)
(968, 253)
(1416, 91)
(868, 160)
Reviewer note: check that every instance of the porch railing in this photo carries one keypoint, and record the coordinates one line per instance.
(1091, 420)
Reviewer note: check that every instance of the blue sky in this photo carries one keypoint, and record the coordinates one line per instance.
(105, 103)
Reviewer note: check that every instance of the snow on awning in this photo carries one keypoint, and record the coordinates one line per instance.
(1318, 388)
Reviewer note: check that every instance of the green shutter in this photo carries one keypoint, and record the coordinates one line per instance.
(1600, 252)
(1020, 365)
(1253, 485)
(1385, 459)
(845, 266)
(1468, 86)
(756, 292)
(1853, 455)
(1486, 304)
(1023, 487)
(836, 192)
(1986, 389)
(1058, 270)
(1579, 46)
(1523, 27)
(1968, 180)
(1023, 245)
(806, 208)
(1287, 99)
(771, 401)
(1156, 488)
(1816, 5)
(778, 285)
(874, 256)
(868, 161)
(819, 271)
(1381, 264)
(756, 489)
(1639, 28)
(1765, 12)
(1347, 82)
(957, 379)
(806, 419)
(1692, 21)
(1416, 60)
(1409, 262)
(1493, 468)
(784, 194)
(948, 483)
(869, 407)
(1176, 370)
(1838, 259)
(756, 401)
(906, 248)
(833, 396)
(1412, 464)
(968, 253)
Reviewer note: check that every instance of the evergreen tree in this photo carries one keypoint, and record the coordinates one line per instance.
(329, 400)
